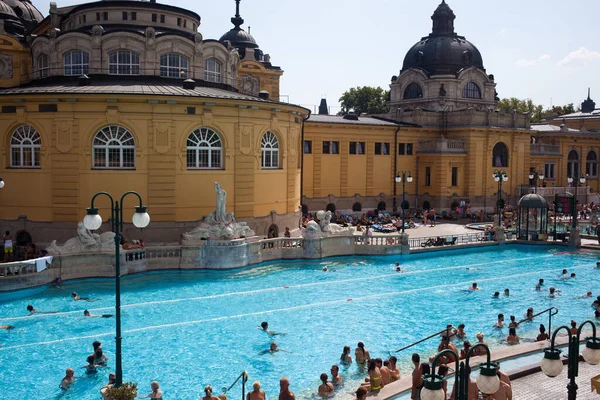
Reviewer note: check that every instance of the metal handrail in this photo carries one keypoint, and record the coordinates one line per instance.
(244, 376)
(550, 314)
(427, 338)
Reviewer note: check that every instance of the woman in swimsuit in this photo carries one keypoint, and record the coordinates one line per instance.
(375, 376)
(325, 388)
(156, 392)
(362, 355)
(512, 338)
(345, 358)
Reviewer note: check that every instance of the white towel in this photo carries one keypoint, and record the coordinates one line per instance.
(40, 264)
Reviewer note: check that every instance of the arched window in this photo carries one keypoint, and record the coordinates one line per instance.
(500, 155)
(357, 207)
(43, 66)
(212, 70)
(413, 91)
(572, 164)
(591, 166)
(471, 91)
(270, 150)
(174, 66)
(273, 232)
(25, 146)
(405, 205)
(304, 209)
(381, 206)
(204, 149)
(77, 62)
(123, 62)
(426, 205)
(330, 207)
(114, 148)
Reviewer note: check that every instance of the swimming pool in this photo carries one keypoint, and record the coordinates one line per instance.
(190, 329)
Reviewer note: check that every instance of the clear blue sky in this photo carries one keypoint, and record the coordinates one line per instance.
(546, 50)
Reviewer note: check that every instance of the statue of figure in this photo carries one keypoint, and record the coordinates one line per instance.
(87, 240)
(442, 91)
(220, 213)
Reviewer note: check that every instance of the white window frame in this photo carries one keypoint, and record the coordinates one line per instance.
(208, 141)
(212, 70)
(43, 66)
(270, 151)
(25, 140)
(174, 65)
(123, 62)
(591, 166)
(471, 88)
(80, 68)
(110, 140)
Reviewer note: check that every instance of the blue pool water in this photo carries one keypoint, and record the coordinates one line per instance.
(190, 329)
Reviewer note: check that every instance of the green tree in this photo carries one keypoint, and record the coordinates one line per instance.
(556, 111)
(535, 111)
(364, 99)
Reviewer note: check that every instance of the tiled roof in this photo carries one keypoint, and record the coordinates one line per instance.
(550, 128)
(133, 87)
(338, 119)
(579, 114)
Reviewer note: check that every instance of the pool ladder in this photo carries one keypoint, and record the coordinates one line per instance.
(551, 312)
(244, 377)
(448, 333)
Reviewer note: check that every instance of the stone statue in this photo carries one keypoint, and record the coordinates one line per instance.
(84, 242)
(220, 213)
(327, 227)
(219, 224)
(312, 230)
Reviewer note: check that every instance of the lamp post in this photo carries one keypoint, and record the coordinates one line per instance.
(578, 178)
(532, 176)
(403, 176)
(500, 176)
(552, 364)
(93, 221)
(487, 381)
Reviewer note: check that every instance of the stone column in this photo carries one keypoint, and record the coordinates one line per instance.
(575, 238)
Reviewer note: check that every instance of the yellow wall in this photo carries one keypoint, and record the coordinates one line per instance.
(268, 78)
(62, 187)
(21, 61)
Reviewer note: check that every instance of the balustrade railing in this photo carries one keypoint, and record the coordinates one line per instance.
(281, 243)
(163, 252)
(24, 267)
(134, 255)
(388, 240)
(442, 146)
(448, 240)
(541, 149)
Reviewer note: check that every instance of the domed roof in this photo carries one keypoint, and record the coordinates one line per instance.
(12, 22)
(443, 51)
(532, 200)
(238, 37)
(27, 13)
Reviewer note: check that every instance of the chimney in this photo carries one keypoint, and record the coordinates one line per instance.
(263, 94)
(189, 84)
(323, 109)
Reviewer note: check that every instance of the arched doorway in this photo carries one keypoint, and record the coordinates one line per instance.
(405, 205)
(426, 205)
(357, 207)
(330, 207)
(573, 164)
(454, 206)
(273, 232)
(500, 155)
(304, 209)
(381, 206)
(23, 238)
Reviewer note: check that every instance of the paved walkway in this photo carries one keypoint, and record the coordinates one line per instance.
(538, 386)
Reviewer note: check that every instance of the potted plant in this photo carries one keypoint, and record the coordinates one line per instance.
(127, 391)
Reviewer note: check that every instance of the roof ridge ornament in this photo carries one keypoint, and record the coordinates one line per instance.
(443, 20)
(237, 20)
(588, 104)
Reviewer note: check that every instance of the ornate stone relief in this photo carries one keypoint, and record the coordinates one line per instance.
(250, 85)
(6, 66)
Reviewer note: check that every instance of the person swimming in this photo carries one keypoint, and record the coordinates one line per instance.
(264, 326)
(598, 265)
(496, 294)
(90, 368)
(398, 269)
(529, 314)
(76, 297)
(564, 275)
(500, 322)
(7, 327)
(273, 348)
(506, 292)
(34, 311)
(585, 296)
(554, 292)
(87, 314)
(573, 275)
(474, 286)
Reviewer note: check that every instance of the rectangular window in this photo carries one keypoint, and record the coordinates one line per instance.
(405, 149)
(105, 16)
(124, 15)
(178, 21)
(84, 18)
(185, 23)
(454, 176)
(154, 17)
(307, 147)
(162, 19)
(409, 149)
(357, 148)
(427, 176)
(97, 16)
(549, 171)
(47, 107)
(335, 147)
(133, 16)
(382, 149)
(326, 147)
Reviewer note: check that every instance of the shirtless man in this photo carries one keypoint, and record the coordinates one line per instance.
(264, 326)
(68, 380)
(256, 393)
(417, 378)
(394, 371)
(504, 392)
(500, 322)
(474, 286)
(336, 379)
(284, 390)
(384, 371)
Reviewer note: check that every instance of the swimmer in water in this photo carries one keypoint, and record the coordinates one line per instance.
(325, 269)
(398, 269)
(474, 286)
(90, 368)
(7, 327)
(34, 311)
(585, 296)
(506, 292)
(87, 314)
(554, 292)
(564, 275)
(598, 265)
(500, 322)
(496, 294)
(76, 297)
(264, 326)
(573, 275)
(68, 380)
(529, 314)
(273, 348)
(473, 269)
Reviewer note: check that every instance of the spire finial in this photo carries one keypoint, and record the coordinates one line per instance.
(588, 93)
(237, 20)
